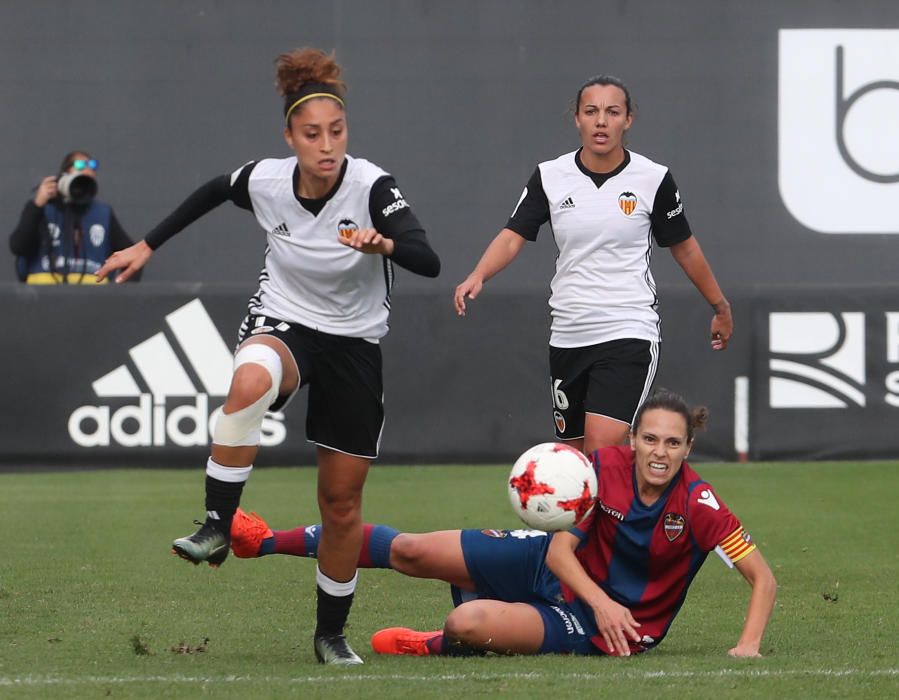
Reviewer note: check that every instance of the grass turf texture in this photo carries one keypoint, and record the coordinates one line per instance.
(93, 604)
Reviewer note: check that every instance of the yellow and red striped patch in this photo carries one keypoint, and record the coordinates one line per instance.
(737, 545)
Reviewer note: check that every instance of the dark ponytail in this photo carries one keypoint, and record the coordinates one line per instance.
(665, 400)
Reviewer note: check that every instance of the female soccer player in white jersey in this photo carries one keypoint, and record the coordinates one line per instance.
(605, 204)
(335, 225)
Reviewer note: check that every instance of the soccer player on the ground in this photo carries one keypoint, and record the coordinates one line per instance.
(612, 585)
(335, 225)
(606, 205)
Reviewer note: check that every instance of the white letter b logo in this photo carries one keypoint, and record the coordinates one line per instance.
(838, 150)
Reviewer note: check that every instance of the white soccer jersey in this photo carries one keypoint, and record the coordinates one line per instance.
(603, 225)
(309, 277)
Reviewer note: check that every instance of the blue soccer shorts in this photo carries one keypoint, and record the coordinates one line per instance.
(508, 565)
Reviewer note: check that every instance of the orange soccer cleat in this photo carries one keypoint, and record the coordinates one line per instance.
(402, 640)
(248, 531)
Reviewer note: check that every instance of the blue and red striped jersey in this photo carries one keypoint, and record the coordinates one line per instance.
(645, 557)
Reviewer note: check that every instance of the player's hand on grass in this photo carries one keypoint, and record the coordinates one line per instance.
(129, 260)
(470, 288)
(745, 651)
(366, 240)
(617, 626)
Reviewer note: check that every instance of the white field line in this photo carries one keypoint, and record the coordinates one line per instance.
(8, 681)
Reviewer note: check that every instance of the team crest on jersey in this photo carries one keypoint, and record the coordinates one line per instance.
(497, 534)
(97, 233)
(346, 227)
(674, 525)
(627, 202)
(560, 421)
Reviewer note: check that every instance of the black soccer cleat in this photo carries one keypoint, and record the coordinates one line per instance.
(207, 544)
(333, 649)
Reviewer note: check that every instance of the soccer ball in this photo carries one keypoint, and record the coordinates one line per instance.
(552, 487)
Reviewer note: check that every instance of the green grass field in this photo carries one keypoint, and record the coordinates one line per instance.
(94, 605)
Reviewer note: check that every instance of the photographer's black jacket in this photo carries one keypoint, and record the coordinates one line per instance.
(62, 243)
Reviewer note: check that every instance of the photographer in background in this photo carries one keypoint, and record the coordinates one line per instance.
(64, 234)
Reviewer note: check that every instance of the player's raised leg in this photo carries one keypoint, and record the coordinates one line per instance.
(259, 378)
(435, 555)
(252, 537)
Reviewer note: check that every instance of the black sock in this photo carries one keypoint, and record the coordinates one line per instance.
(331, 613)
(222, 498)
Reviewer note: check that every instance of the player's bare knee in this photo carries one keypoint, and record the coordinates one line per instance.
(407, 553)
(465, 623)
(340, 513)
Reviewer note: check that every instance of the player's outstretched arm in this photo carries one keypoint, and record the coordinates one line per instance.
(129, 260)
(501, 251)
(761, 602)
(690, 257)
(615, 622)
(203, 200)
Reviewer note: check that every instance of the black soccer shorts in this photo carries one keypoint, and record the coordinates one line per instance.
(608, 379)
(346, 391)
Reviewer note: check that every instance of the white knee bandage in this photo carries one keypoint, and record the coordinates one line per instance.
(244, 427)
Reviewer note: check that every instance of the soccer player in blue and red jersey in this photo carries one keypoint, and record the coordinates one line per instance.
(612, 585)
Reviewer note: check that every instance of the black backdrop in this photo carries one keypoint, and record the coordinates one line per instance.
(456, 389)
(460, 100)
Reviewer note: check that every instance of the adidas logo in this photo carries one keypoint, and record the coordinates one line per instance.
(567, 204)
(156, 378)
(280, 230)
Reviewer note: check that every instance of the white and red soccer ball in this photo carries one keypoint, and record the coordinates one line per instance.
(552, 487)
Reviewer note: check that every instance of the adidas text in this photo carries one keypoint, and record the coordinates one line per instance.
(152, 424)
(130, 416)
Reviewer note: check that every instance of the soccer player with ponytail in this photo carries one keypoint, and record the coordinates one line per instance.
(612, 585)
(335, 226)
(606, 205)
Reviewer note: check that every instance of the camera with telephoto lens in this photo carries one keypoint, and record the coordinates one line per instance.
(77, 187)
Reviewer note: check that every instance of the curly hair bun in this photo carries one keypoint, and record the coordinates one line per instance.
(307, 65)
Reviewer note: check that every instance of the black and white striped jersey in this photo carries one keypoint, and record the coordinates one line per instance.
(603, 226)
(309, 277)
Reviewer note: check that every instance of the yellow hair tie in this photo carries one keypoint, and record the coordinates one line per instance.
(309, 97)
